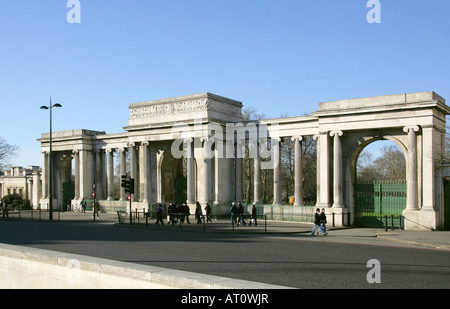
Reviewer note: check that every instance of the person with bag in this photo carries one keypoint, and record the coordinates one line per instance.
(253, 218)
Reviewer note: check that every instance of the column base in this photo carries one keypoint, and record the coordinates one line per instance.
(338, 216)
(428, 218)
(411, 219)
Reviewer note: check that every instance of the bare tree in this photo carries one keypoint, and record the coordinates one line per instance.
(391, 165)
(6, 152)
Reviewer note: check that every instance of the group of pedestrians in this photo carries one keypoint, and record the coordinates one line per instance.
(237, 213)
(181, 213)
(320, 221)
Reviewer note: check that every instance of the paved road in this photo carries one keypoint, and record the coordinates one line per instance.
(299, 261)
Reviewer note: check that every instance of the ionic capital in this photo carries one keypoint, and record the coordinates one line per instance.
(336, 133)
(408, 129)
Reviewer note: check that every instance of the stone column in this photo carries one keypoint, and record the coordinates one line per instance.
(257, 177)
(110, 158)
(431, 147)
(276, 148)
(57, 186)
(36, 189)
(411, 192)
(146, 179)
(238, 179)
(82, 172)
(99, 174)
(190, 170)
(432, 141)
(338, 191)
(298, 195)
(123, 170)
(205, 172)
(45, 174)
(323, 170)
(77, 174)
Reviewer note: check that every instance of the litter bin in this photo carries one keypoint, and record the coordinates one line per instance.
(291, 200)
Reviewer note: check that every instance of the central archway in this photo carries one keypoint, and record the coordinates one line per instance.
(379, 185)
(174, 179)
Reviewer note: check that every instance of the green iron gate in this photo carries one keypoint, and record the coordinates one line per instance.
(375, 200)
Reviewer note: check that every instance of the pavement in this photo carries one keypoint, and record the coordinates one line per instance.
(424, 238)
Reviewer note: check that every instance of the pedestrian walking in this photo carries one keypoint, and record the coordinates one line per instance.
(198, 213)
(208, 212)
(316, 221)
(241, 214)
(233, 213)
(253, 217)
(95, 209)
(323, 222)
(159, 215)
(83, 205)
(186, 212)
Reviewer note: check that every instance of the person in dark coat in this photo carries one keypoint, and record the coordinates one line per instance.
(254, 216)
(208, 212)
(186, 212)
(316, 221)
(159, 215)
(233, 213)
(241, 214)
(323, 222)
(198, 213)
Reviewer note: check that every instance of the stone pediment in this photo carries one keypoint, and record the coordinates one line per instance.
(205, 106)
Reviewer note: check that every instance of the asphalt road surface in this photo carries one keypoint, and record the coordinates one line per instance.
(292, 261)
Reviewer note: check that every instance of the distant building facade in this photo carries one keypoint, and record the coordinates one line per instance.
(25, 182)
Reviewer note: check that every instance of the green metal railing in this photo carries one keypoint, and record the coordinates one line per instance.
(378, 199)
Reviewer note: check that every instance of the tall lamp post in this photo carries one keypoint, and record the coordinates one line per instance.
(50, 190)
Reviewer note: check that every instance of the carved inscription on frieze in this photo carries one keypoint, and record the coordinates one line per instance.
(183, 107)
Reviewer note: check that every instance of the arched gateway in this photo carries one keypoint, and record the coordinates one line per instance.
(199, 138)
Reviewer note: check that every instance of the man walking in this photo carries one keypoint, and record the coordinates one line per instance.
(323, 222)
(316, 221)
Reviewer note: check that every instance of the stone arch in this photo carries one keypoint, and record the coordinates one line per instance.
(66, 185)
(357, 149)
(171, 170)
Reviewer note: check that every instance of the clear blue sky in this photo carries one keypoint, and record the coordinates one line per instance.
(281, 57)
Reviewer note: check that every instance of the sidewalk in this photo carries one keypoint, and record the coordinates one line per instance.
(437, 239)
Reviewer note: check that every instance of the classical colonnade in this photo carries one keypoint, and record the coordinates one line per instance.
(415, 122)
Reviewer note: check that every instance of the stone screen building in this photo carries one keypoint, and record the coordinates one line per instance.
(190, 149)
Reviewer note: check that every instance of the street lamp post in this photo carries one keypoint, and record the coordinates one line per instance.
(50, 185)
